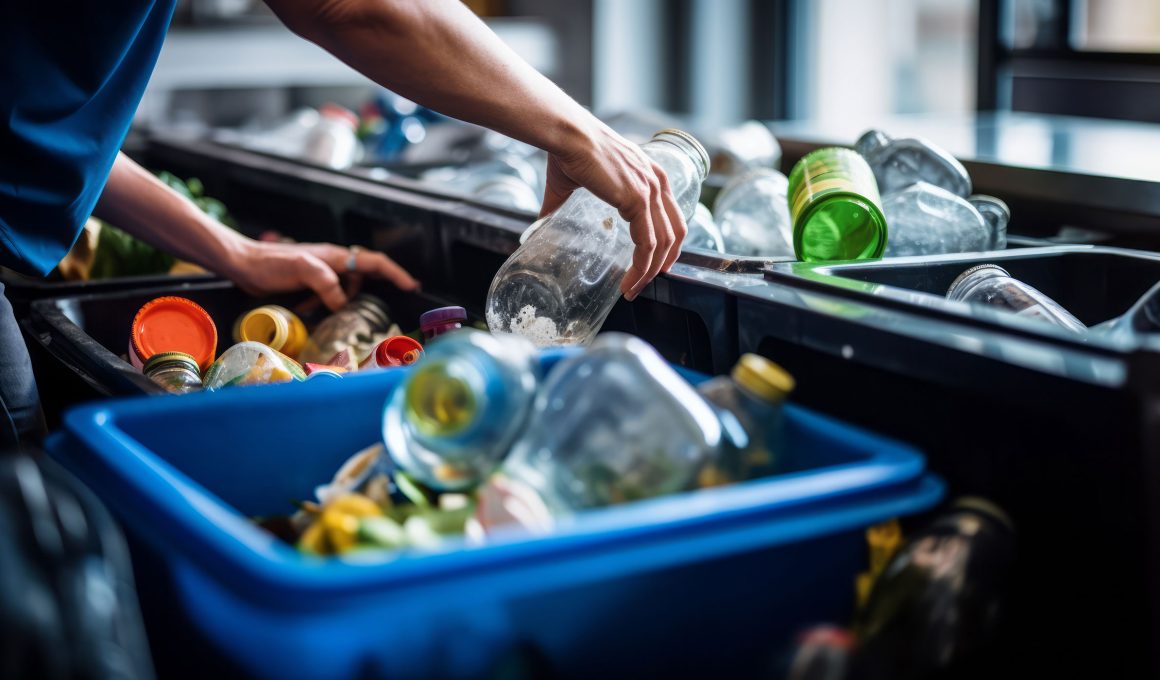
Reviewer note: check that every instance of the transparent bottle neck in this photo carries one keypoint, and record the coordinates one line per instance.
(689, 145)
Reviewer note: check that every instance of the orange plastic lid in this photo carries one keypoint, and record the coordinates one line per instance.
(174, 324)
(398, 351)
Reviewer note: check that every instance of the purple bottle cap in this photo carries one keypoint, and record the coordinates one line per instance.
(437, 317)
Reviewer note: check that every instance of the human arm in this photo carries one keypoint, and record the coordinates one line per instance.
(439, 54)
(142, 205)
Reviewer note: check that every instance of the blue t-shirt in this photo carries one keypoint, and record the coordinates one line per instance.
(71, 77)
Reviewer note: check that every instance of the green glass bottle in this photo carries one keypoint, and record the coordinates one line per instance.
(835, 207)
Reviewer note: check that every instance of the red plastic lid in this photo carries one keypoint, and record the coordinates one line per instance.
(174, 324)
(339, 113)
(398, 351)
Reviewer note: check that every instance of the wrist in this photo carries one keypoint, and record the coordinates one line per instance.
(575, 136)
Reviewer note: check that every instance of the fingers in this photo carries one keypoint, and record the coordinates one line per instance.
(640, 228)
(321, 278)
(376, 264)
(557, 190)
(656, 237)
(677, 222)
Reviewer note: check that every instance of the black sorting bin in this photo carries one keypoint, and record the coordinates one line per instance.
(1058, 428)
(80, 340)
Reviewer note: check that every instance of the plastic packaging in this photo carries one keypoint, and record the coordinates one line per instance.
(172, 324)
(251, 363)
(612, 425)
(928, 220)
(333, 141)
(355, 327)
(177, 372)
(753, 214)
(750, 400)
(736, 150)
(399, 350)
(272, 325)
(562, 282)
(996, 214)
(835, 207)
(940, 602)
(991, 285)
(436, 322)
(898, 163)
(704, 233)
(456, 415)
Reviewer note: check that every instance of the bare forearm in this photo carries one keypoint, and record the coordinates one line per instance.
(437, 53)
(144, 206)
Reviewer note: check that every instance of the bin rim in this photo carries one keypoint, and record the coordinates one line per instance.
(220, 540)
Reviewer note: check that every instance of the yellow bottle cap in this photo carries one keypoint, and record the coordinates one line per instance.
(763, 377)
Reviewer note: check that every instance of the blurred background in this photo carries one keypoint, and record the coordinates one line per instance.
(229, 62)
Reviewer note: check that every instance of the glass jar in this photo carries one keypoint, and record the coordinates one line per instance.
(177, 372)
(898, 163)
(991, 285)
(562, 282)
(835, 207)
(354, 328)
(753, 214)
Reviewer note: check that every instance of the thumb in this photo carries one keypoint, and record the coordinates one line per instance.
(320, 278)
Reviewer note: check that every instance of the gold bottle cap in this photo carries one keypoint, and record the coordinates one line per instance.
(763, 377)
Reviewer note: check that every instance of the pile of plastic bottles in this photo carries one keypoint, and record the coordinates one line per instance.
(479, 438)
(174, 342)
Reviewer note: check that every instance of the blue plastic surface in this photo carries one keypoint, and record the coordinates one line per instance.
(715, 581)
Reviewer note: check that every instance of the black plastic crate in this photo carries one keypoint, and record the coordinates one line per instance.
(1060, 429)
(79, 342)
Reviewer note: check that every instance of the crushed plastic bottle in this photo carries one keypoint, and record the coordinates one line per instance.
(991, 285)
(996, 214)
(357, 328)
(612, 425)
(562, 282)
(703, 232)
(455, 416)
(752, 213)
(898, 163)
(928, 220)
(251, 363)
(750, 401)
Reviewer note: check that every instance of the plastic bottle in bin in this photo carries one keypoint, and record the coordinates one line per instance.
(272, 325)
(937, 607)
(172, 324)
(354, 327)
(898, 163)
(333, 141)
(251, 363)
(456, 414)
(752, 212)
(436, 322)
(991, 285)
(562, 282)
(996, 214)
(399, 350)
(929, 220)
(835, 207)
(704, 234)
(612, 425)
(750, 400)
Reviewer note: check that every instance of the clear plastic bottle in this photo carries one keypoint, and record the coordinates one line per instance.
(455, 416)
(508, 192)
(996, 214)
(1143, 317)
(354, 328)
(612, 425)
(752, 212)
(898, 163)
(469, 178)
(333, 142)
(562, 282)
(703, 232)
(272, 325)
(991, 285)
(751, 398)
(251, 363)
(929, 220)
(738, 149)
(177, 372)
